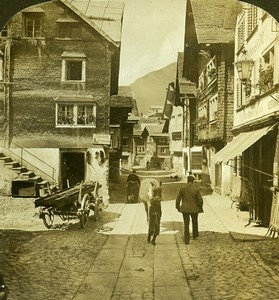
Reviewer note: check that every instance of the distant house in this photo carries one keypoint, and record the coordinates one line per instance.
(155, 111)
(59, 69)
(174, 122)
(139, 148)
(156, 144)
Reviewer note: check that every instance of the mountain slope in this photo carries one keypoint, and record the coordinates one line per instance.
(150, 89)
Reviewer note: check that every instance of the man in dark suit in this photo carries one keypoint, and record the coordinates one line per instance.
(189, 202)
(133, 186)
(133, 177)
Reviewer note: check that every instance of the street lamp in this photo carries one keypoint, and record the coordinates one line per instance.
(244, 68)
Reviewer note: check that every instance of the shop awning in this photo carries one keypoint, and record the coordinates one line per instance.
(239, 144)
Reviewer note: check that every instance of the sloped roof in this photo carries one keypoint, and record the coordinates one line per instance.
(120, 101)
(143, 122)
(215, 20)
(104, 16)
(155, 130)
(125, 91)
(125, 98)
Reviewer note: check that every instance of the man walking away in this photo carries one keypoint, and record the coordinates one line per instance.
(189, 202)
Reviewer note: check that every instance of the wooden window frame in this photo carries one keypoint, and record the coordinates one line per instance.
(74, 119)
(65, 30)
(37, 30)
(65, 69)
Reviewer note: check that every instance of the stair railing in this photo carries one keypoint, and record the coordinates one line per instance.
(51, 175)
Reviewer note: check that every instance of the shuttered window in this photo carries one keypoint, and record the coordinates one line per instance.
(252, 19)
(196, 160)
(241, 33)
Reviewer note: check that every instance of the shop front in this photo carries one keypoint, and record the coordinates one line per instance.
(251, 159)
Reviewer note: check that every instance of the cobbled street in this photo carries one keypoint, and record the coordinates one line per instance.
(111, 259)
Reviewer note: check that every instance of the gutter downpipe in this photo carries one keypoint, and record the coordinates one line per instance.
(7, 94)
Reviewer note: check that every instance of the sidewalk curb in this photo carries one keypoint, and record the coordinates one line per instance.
(244, 237)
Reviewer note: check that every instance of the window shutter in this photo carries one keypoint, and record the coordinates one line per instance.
(196, 160)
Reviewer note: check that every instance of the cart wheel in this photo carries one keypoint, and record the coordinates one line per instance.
(48, 218)
(85, 210)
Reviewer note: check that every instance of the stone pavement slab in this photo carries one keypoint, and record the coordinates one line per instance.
(232, 219)
(97, 286)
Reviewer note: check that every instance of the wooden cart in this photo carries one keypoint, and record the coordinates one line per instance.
(70, 203)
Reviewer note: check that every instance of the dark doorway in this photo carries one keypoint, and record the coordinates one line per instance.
(72, 168)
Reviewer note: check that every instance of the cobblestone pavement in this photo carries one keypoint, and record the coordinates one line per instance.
(110, 259)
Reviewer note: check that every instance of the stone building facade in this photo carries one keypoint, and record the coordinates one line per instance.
(60, 68)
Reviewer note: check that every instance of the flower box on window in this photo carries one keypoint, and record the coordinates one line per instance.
(265, 82)
(75, 112)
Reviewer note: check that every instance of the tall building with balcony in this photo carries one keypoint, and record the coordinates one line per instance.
(208, 62)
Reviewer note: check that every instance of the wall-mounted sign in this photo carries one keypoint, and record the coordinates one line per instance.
(101, 139)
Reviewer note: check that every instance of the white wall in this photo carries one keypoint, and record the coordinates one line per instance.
(176, 125)
(40, 160)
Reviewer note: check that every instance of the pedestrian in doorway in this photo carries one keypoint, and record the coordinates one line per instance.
(190, 203)
(155, 213)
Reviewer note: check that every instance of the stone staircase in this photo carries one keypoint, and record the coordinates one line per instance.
(26, 183)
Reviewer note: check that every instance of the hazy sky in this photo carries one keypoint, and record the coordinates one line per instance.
(153, 33)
